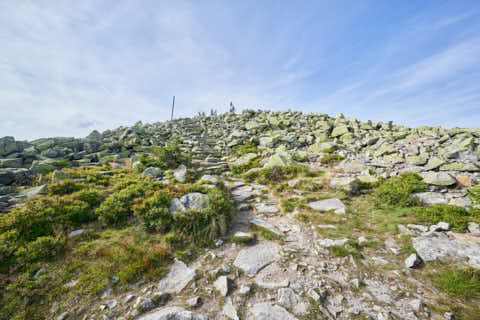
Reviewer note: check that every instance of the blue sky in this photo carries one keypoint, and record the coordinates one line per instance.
(68, 67)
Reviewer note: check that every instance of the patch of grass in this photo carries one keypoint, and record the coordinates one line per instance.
(344, 251)
(331, 159)
(288, 204)
(459, 283)
(397, 191)
(457, 217)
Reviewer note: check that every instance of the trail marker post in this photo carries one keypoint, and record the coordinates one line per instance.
(173, 107)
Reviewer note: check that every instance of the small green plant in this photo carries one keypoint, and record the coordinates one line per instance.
(397, 191)
(460, 283)
(331, 159)
(457, 217)
(288, 204)
(152, 212)
(273, 175)
(168, 157)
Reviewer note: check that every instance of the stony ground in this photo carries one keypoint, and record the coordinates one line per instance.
(333, 255)
(274, 265)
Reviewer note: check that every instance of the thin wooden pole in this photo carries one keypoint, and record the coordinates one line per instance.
(173, 107)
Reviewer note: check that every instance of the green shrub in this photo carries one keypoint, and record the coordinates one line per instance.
(461, 283)
(152, 212)
(397, 191)
(331, 159)
(117, 208)
(457, 217)
(67, 186)
(92, 197)
(42, 248)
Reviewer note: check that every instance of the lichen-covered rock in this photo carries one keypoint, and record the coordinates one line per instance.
(328, 204)
(438, 178)
(190, 201)
(280, 159)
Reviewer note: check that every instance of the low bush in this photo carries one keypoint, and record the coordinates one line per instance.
(344, 251)
(457, 217)
(42, 248)
(397, 191)
(152, 212)
(331, 149)
(67, 186)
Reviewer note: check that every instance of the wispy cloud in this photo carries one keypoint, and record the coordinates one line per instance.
(69, 67)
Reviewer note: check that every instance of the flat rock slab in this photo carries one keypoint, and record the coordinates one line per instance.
(173, 313)
(253, 259)
(243, 193)
(178, 277)
(265, 225)
(265, 311)
(430, 198)
(266, 208)
(433, 248)
(327, 205)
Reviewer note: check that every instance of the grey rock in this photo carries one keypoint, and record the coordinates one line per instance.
(35, 191)
(412, 261)
(431, 248)
(473, 227)
(328, 204)
(265, 311)
(180, 174)
(332, 243)
(349, 184)
(251, 260)
(209, 178)
(438, 178)
(222, 284)
(194, 302)
(244, 289)
(153, 172)
(178, 277)
(265, 225)
(280, 159)
(229, 310)
(416, 305)
(190, 201)
(76, 233)
(287, 298)
(430, 198)
(266, 208)
(173, 313)
(441, 226)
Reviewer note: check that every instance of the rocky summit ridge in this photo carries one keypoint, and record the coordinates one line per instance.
(334, 218)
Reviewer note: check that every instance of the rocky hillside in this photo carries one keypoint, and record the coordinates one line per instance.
(259, 215)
